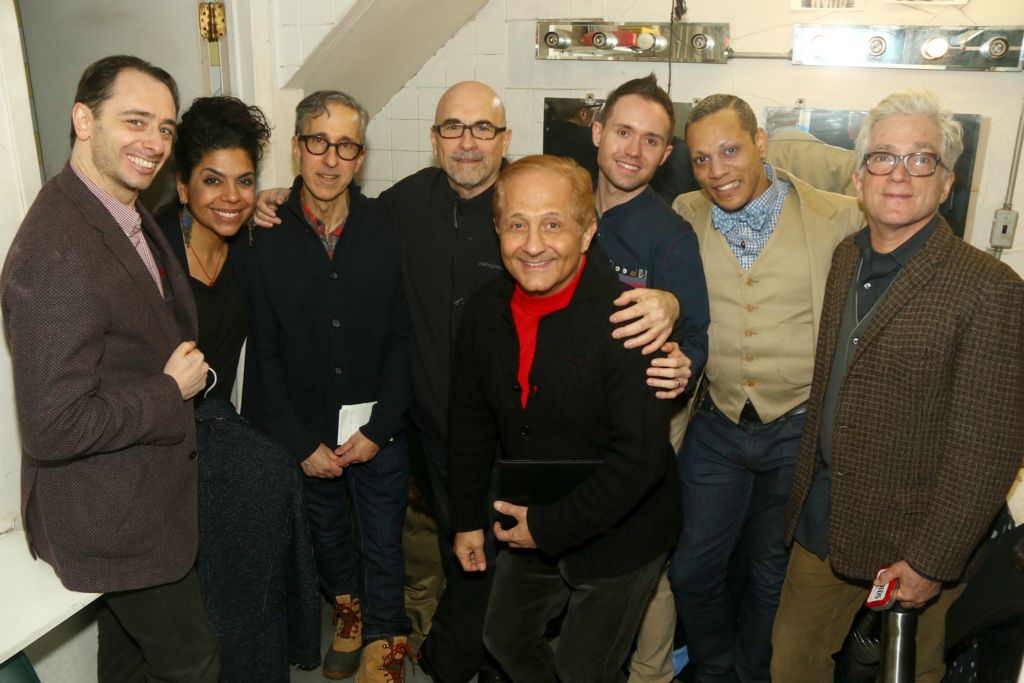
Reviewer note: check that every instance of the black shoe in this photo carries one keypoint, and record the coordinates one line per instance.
(491, 677)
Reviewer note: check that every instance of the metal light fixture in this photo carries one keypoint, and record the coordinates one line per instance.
(963, 48)
(656, 42)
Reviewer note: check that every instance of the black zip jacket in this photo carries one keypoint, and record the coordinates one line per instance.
(449, 249)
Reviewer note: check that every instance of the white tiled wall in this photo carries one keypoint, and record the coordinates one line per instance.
(399, 136)
(299, 26)
(497, 47)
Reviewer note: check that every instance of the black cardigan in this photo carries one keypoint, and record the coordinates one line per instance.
(592, 402)
(329, 332)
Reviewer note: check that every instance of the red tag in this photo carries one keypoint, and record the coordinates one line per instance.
(881, 597)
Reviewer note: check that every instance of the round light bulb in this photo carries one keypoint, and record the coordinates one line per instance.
(934, 48)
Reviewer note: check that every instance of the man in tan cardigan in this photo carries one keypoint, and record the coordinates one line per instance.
(766, 239)
(915, 428)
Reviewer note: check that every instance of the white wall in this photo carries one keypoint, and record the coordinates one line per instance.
(299, 26)
(19, 182)
(497, 47)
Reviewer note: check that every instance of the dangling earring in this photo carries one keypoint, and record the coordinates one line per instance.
(185, 220)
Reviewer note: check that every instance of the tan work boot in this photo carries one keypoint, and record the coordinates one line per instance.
(342, 657)
(384, 660)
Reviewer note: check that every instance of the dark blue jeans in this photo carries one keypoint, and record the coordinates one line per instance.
(355, 521)
(735, 485)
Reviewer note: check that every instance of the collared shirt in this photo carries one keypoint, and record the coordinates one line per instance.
(128, 218)
(329, 238)
(748, 229)
(877, 271)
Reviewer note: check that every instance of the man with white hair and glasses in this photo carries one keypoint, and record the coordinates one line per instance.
(914, 429)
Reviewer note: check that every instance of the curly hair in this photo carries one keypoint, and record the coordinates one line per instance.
(213, 123)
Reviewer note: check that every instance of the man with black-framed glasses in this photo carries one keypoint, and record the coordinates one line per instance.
(331, 332)
(449, 249)
(443, 217)
(914, 431)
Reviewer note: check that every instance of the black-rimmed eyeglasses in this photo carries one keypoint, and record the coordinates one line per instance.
(451, 130)
(917, 164)
(318, 145)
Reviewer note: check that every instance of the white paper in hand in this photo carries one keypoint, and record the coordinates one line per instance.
(351, 418)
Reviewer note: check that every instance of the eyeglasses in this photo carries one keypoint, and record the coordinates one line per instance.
(452, 130)
(318, 145)
(917, 164)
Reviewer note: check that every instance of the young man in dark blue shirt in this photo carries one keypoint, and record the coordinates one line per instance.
(654, 250)
(650, 246)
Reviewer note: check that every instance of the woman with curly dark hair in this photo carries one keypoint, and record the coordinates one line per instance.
(255, 563)
(218, 147)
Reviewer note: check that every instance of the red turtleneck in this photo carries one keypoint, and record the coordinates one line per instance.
(526, 314)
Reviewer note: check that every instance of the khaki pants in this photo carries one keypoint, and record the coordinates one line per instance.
(652, 660)
(816, 612)
(424, 576)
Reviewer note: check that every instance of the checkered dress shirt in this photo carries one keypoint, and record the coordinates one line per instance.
(747, 230)
(130, 221)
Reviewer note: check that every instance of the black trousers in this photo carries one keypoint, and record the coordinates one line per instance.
(602, 616)
(455, 646)
(157, 634)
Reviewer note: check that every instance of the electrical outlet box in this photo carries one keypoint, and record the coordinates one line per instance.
(1003, 226)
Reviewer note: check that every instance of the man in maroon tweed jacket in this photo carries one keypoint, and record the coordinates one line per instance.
(98, 318)
(916, 421)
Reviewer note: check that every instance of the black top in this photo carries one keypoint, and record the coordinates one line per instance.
(650, 245)
(223, 314)
(222, 326)
(329, 332)
(449, 249)
(591, 402)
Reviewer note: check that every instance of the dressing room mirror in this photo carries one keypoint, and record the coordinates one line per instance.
(838, 127)
(567, 124)
(567, 133)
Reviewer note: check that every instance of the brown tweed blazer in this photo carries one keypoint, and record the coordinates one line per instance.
(108, 478)
(930, 418)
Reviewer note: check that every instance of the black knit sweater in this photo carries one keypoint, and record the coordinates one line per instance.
(592, 402)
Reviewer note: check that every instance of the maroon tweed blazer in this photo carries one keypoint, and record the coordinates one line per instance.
(930, 418)
(108, 475)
